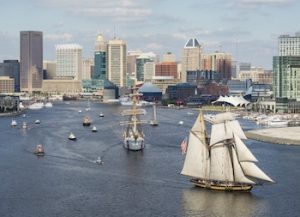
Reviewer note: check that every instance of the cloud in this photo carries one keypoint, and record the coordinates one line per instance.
(58, 37)
(117, 10)
(263, 3)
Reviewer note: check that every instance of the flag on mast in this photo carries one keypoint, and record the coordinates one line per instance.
(183, 146)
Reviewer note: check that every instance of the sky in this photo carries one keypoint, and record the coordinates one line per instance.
(248, 29)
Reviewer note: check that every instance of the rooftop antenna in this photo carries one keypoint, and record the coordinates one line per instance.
(114, 32)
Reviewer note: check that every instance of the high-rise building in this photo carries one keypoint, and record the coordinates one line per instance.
(190, 57)
(100, 55)
(50, 69)
(69, 61)
(140, 62)
(31, 61)
(7, 84)
(11, 68)
(149, 71)
(219, 62)
(87, 69)
(131, 62)
(289, 45)
(169, 57)
(116, 62)
(166, 69)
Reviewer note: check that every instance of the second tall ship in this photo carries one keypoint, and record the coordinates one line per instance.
(133, 135)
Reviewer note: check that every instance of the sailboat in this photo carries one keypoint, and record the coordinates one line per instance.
(154, 121)
(133, 134)
(223, 161)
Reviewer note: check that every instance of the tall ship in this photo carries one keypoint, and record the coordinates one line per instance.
(133, 135)
(221, 161)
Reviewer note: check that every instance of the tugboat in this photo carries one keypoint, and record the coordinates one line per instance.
(72, 137)
(39, 150)
(86, 121)
(94, 129)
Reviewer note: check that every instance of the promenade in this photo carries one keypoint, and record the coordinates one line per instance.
(285, 136)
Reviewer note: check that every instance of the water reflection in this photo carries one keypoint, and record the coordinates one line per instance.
(202, 202)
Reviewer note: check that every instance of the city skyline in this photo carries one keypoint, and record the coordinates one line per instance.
(248, 29)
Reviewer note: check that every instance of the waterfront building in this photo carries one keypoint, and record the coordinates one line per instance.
(166, 69)
(150, 92)
(238, 88)
(62, 86)
(286, 80)
(162, 82)
(191, 57)
(69, 61)
(203, 77)
(100, 59)
(116, 62)
(7, 84)
(50, 69)
(257, 75)
(31, 61)
(289, 45)
(140, 63)
(87, 69)
(11, 68)
(181, 91)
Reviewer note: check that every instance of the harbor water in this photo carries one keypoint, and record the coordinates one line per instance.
(67, 182)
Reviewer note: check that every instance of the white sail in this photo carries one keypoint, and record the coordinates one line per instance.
(220, 163)
(250, 169)
(239, 175)
(220, 132)
(222, 117)
(243, 153)
(196, 160)
(199, 126)
(236, 128)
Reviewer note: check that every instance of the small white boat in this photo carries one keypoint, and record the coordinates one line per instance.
(24, 115)
(21, 106)
(94, 129)
(72, 136)
(180, 122)
(276, 122)
(79, 111)
(24, 126)
(101, 115)
(13, 123)
(36, 106)
(88, 109)
(37, 122)
(99, 161)
(48, 105)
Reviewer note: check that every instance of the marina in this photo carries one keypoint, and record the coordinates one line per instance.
(68, 181)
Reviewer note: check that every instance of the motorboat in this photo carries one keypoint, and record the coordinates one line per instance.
(24, 115)
(86, 121)
(39, 150)
(101, 115)
(94, 129)
(24, 126)
(72, 136)
(79, 111)
(14, 123)
(36, 106)
(37, 122)
(99, 161)
(48, 105)
(180, 122)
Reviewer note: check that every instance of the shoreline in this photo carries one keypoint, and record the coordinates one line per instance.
(280, 136)
(7, 114)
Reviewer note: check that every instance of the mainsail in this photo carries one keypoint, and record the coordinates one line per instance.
(226, 158)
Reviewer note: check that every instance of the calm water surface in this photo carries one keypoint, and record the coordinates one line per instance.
(66, 181)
